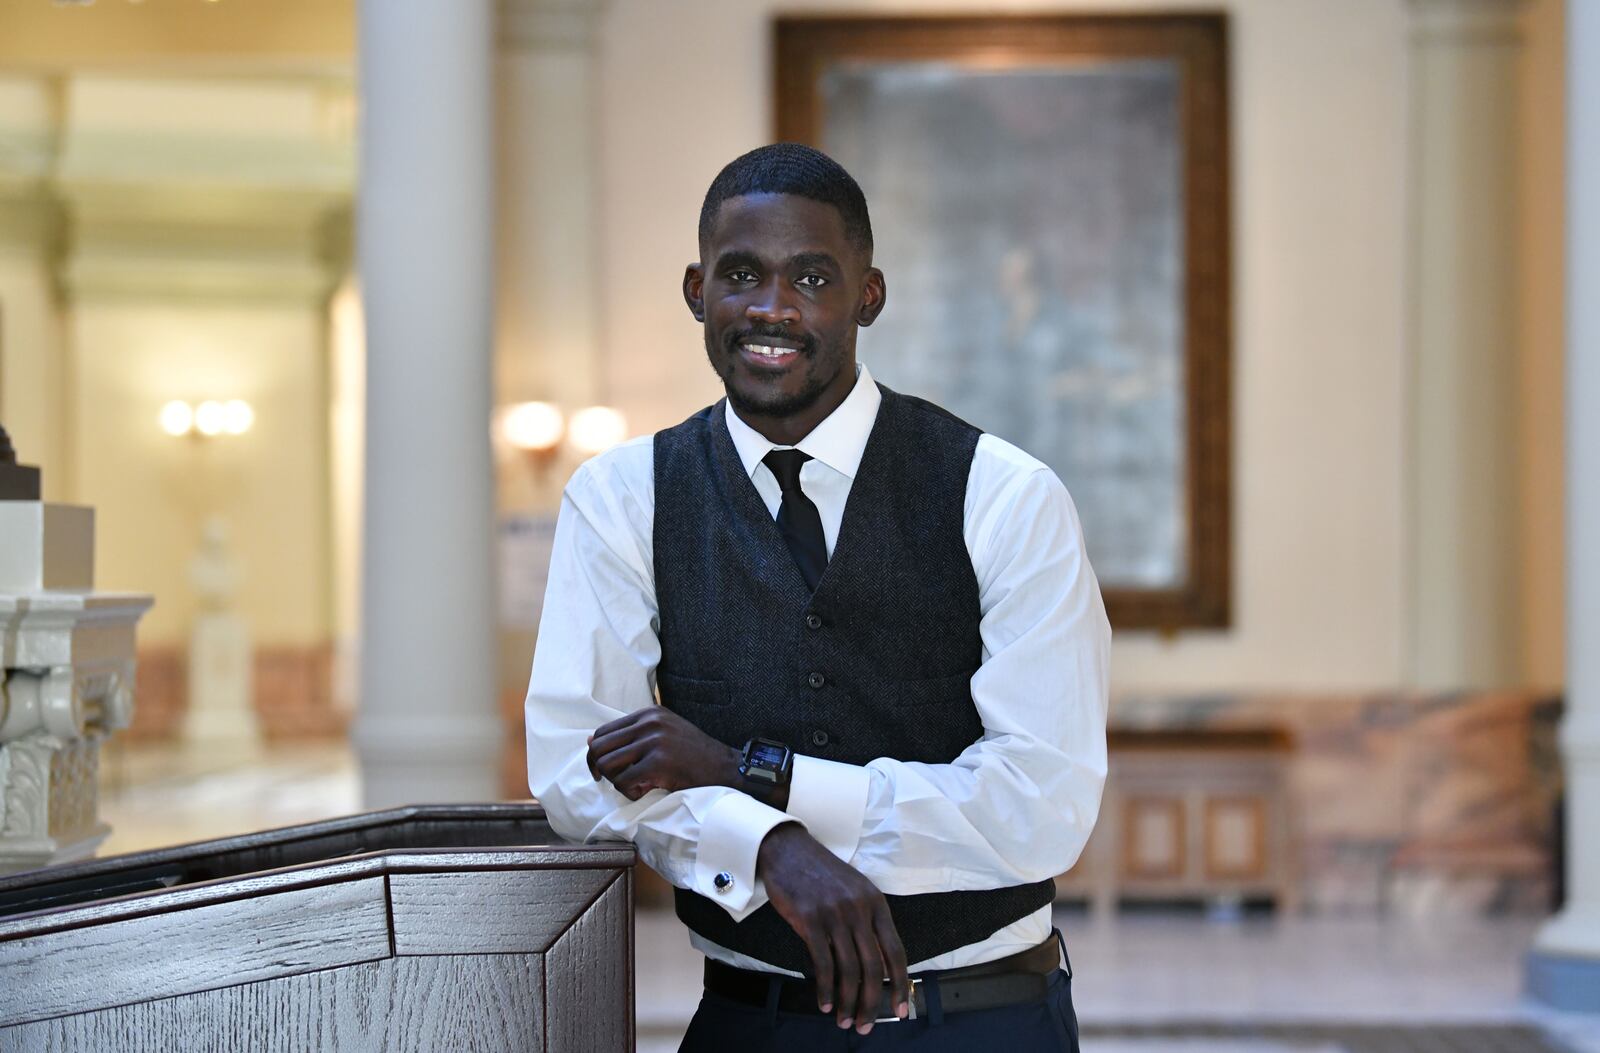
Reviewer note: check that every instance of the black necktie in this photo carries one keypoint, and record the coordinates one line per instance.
(798, 520)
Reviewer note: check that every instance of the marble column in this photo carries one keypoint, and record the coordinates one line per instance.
(427, 728)
(1564, 969)
(1463, 553)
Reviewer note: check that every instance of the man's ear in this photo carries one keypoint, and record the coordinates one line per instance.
(873, 294)
(694, 290)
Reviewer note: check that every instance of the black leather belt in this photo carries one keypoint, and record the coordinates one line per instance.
(1020, 977)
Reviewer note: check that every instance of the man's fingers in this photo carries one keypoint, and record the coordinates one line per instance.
(894, 957)
(625, 721)
(822, 965)
(847, 985)
(604, 746)
(870, 994)
(635, 780)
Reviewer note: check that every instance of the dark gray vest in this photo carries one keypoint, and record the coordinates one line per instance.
(877, 663)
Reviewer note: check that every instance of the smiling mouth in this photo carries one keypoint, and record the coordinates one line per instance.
(770, 350)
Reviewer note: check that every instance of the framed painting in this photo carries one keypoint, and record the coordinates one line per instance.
(1050, 202)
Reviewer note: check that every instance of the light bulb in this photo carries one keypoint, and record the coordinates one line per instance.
(209, 417)
(533, 426)
(598, 428)
(237, 416)
(177, 417)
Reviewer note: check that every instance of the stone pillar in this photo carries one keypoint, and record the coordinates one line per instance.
(1463, 551)
(427, 729)
(66, 674)
(1564, 969)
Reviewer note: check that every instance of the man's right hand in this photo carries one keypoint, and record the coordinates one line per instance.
(844, 921)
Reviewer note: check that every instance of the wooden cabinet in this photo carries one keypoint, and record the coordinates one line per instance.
(1191, 817)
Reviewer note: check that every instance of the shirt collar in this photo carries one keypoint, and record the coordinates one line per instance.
(838, 442)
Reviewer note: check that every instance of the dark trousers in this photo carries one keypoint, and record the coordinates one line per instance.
(721, 1025)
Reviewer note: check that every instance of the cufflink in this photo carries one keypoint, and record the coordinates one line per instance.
(723, 881)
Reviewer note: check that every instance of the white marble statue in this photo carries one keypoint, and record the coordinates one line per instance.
(221, 702)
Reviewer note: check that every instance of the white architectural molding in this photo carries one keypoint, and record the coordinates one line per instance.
(66, 683)
(197, 207)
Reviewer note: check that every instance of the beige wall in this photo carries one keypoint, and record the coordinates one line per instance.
(152, 491)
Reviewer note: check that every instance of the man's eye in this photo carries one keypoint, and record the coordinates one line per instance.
(741, 276)
(813, 281)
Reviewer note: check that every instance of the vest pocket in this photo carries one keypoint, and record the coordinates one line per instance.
(675, 690)
(939, 691)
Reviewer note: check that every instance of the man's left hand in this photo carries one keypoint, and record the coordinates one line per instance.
(655, 749)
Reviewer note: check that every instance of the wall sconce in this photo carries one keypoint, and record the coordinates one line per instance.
(208, 419)
(537, 430)
(597, 428)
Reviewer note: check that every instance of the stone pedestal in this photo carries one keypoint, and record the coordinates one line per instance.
(221, 701)
(221, 710)
(66, 682)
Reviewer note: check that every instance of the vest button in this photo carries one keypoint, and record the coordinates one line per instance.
(813, 620)
(816, 680)
(819, 737)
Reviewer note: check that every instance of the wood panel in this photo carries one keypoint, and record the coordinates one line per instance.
(490, 1003)
(588, 985)
(211, 946)
(485, 912)
(1153, 839)
(1235, 838)
(400, 1005)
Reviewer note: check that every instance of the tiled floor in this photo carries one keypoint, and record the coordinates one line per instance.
(1143, 984)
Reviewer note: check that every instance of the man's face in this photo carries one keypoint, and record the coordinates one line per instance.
(781, 291)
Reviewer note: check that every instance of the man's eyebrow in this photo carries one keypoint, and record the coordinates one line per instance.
(816, 261)
(737, 258)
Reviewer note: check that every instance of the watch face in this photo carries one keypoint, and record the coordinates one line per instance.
(767, 755)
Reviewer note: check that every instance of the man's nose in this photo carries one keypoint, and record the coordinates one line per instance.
(771, 306)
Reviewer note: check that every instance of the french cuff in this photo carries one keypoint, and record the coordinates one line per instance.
(725, 864)
(830, 799)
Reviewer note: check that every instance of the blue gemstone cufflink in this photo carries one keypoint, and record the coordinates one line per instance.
(723, 881)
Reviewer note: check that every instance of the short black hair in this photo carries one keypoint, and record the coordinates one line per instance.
(791, 168)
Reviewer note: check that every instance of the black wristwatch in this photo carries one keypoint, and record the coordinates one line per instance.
(767, 761)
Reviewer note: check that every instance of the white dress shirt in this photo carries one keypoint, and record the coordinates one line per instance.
(1014, 807)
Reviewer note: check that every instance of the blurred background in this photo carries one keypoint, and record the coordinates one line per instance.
(1334, 812)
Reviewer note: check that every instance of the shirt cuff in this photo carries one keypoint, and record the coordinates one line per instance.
(831, 800)
(725, 864)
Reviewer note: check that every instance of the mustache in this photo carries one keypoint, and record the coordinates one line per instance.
(756, 334)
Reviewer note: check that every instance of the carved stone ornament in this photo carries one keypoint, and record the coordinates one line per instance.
(68, 686)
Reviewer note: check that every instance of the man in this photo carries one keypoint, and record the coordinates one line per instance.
(880, 654)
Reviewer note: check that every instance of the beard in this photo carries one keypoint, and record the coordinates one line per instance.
(817, 374)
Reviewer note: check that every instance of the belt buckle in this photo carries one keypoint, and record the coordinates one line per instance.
(911, 1005)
